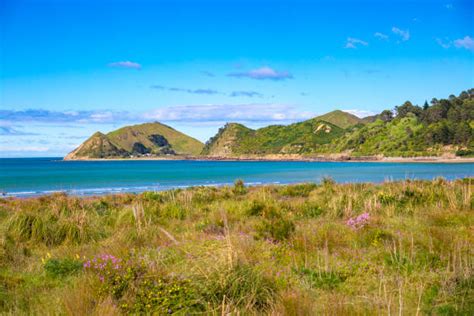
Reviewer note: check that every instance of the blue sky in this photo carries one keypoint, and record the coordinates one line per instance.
(70, 68)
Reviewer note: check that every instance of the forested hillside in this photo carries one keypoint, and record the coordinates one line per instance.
(443, 126)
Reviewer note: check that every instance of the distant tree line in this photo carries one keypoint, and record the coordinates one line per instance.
(446, 121)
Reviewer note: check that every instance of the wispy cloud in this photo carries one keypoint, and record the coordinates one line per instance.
(191, 91)
(263, 73)
(449, 6)
(125, 64)
(444, 44)
(381, 36)
(251, 112)
(10, 131)
(46, 116)
(207, 73)
(229, 112)
(249, 94)
(354, 43)
(404, 34)
(233, 94)
(467, 43)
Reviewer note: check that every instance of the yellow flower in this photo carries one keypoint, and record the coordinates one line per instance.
(77, 256)
(48, 255)
(42, 260)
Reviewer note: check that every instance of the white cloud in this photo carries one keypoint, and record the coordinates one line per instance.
(126, 64)
(23, 148)
(404, 34)
(229, 112)
(355, 42)
(360, 113)
(467, 43)
(381, 36)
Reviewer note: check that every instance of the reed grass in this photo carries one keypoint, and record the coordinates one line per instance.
(280, 250)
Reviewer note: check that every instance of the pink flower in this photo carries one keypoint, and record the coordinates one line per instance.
(359, 221)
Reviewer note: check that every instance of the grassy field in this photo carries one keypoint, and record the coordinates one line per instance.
(353, 249)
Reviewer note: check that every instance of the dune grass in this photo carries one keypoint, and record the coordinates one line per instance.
(352, 249)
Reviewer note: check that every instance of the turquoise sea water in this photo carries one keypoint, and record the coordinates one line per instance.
(35, 176)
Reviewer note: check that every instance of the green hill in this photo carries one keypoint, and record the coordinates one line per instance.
(298, 138)
(444, 128)
(340, 118)
(145, 139)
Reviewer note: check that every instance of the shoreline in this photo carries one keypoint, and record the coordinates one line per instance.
(121, 191)
(275, 158)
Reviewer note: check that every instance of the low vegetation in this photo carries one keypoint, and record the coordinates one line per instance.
(306, 249)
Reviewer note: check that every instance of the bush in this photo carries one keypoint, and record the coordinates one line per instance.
(161, 295)
(256, 208)
(277, 229)
(386, 198)
(310, 210)
(174, 210)
(242, 286)
(465, 153)
(302, 190)
(152, 196)
(137, 291)
(239, 187)
(62, 267)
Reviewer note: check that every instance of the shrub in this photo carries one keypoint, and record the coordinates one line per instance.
(137, 291)
(465, 153)
(310, 210)
(277, 229)
(152, 196)
(385, 198)
(161, 295)
(302, 190)
(242, 286)
(239, 187)
(62, 267)
(328, 181)
(256, 208)
(174, 210)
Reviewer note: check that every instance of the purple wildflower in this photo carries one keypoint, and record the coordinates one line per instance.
(359, 221)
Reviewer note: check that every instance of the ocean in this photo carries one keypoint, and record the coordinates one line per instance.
(24, 177)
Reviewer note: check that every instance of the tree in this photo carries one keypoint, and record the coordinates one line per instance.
(462, 133)
(386, 116)
(425, 106)
(406, 108)
(433, 114)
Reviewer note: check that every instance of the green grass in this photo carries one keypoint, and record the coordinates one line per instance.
(282, 250)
